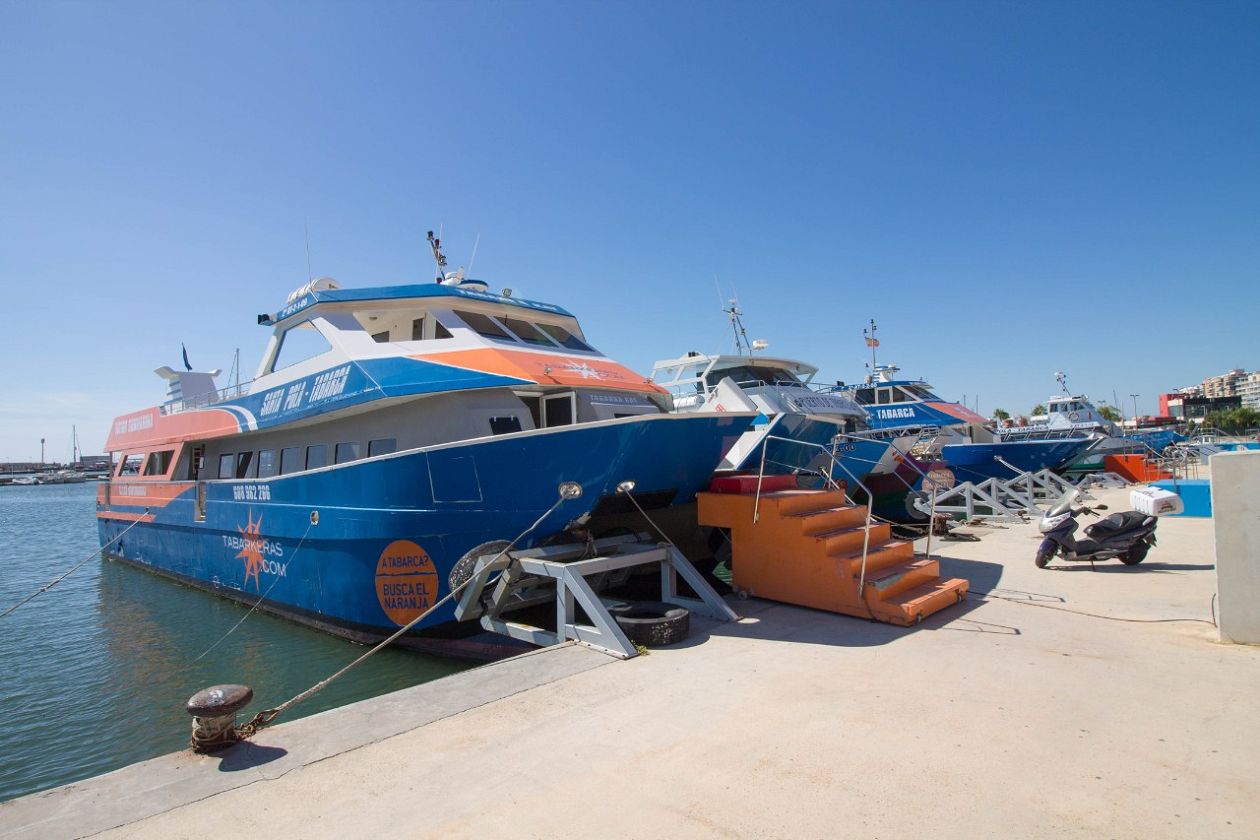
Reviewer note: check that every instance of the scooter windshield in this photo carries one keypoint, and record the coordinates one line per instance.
(1065, 502)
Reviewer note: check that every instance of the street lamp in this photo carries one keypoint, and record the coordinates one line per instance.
(1135, 414)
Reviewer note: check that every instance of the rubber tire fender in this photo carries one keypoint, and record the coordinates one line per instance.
(652, 623)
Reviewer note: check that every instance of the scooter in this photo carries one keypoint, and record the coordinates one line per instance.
(1128, 535)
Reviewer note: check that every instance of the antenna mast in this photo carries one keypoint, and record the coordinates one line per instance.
(436, 245)
(871, 341)
(1061, 378)
(737, 326)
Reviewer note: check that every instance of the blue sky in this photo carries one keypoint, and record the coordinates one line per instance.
(1010, 189)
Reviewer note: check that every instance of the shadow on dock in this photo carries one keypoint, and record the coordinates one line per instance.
(761, 619)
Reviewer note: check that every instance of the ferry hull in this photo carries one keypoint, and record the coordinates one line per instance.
(978, 461)
(363, 548)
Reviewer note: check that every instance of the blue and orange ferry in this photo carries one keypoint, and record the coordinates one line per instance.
(389, 433)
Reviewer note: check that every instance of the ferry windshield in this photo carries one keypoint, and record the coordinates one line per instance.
(753, 376)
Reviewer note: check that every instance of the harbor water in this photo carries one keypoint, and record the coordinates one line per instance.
(94, 673)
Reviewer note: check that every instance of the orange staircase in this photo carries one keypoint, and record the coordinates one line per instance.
(806, 548)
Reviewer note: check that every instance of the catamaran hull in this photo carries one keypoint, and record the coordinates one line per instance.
(363, 548)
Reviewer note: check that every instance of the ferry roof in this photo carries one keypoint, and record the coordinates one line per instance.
(310, 297)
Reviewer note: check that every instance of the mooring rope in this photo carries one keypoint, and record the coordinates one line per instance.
(267, 716)
(75, 568)
(261, 598)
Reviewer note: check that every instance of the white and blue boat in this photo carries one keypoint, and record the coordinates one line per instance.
(389, 433)
(797, 429)
(1070, 415)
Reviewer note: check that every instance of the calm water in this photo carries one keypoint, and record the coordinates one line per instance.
(94, 673)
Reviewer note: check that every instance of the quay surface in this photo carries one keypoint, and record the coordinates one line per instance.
(1005, 716)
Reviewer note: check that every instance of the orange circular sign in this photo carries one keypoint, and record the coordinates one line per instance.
(406, 581)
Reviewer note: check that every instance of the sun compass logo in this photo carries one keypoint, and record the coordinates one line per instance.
(249, 551)
(256, 551)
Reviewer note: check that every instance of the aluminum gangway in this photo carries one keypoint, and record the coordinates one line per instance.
(569, 576)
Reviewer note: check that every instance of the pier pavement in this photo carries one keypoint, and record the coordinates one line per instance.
(1064, 702)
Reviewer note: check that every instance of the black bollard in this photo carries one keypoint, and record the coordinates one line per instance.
(214, 715)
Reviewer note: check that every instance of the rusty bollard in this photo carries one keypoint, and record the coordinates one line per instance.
(214, 715)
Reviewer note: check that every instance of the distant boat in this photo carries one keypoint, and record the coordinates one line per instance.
(951, 433)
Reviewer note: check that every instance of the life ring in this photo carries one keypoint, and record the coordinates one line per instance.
(1074, 416)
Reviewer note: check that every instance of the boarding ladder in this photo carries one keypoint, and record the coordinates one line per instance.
(815, 548)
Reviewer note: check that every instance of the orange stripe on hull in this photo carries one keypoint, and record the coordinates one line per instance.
(147, 493)
(125, 517)
(546, 369)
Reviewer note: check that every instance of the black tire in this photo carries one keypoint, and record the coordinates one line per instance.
(1135, 555)
(652, 623)
(1043, 558)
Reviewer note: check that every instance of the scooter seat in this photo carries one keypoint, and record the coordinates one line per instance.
(1118, 523)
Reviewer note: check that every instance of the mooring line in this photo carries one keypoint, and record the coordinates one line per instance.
(81, 563)
(266, 716)
(261, 598)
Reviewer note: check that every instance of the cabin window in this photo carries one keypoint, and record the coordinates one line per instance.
(381, 337)
(130, 465)
(564, 337)
(504, 425)
(484, 325)
(158, 462)
(864, 396)
(528, 333)
(299, 343)
(290, 460)
(900, 395)
(383, 446)
(417, 329)
(347, 452)
(558, 410)
(266, 463)
(227, 465)
(882, 397)
(752, 376)
(245, 466)
(317, 456)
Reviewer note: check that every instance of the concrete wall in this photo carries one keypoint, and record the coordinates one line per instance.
(1236, 512)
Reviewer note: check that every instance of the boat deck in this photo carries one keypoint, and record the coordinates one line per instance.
(995, 718)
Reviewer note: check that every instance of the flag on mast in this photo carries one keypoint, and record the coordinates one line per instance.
(187, 364)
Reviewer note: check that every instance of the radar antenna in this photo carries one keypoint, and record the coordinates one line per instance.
(1061, 378)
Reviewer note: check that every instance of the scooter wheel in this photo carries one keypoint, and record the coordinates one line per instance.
(1135, 555)
(1043, 558)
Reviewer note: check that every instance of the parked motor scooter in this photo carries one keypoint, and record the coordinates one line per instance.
(1128, 535)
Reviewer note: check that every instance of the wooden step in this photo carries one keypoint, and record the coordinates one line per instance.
(890, 582)
(818, 522)
(851, 540)
(795, 502)
(914, 605)
(877, 557)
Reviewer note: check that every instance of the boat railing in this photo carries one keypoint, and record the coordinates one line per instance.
(207, 399)
(830, 479)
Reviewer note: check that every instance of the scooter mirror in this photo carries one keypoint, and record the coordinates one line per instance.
(1100, 507)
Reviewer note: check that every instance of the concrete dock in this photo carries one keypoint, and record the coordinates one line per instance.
(1065, 702)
